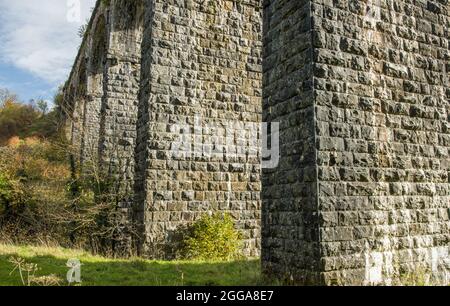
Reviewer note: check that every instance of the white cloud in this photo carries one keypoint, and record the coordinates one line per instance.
(37, 36)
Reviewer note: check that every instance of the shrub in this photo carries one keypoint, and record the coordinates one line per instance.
(32, 195)
(43, 197)
(11, 194)
(43, 200)
(212, 237)
(32, 159)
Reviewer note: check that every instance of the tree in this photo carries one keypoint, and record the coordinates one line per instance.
(34, 119)
(6, 96)
(16, 119)
(42, 106)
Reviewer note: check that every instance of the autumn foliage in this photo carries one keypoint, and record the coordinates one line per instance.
(25, 120)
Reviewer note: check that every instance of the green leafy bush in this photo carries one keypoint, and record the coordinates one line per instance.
(212, 237)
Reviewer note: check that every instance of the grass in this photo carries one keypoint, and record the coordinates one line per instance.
(101, 271)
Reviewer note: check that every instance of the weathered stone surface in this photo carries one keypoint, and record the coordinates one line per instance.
(290, 245)
(379, 135)
(205, 69)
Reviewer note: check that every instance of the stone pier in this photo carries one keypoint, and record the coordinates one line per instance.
(361, 91)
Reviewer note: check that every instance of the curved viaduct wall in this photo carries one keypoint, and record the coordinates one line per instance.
(101, 102)
(201, 74)
(361, 194)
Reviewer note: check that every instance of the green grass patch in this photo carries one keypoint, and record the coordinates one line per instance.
(101, 271)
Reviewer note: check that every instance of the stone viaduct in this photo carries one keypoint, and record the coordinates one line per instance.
(360, 89)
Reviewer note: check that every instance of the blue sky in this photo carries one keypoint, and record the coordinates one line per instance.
(38, 44)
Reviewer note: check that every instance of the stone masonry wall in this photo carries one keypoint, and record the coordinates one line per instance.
(381, 133)
(383, 138)
(200, 71)
(290, 230)
(101, 100)
(84, 91)
(119, 109)
(96, 55)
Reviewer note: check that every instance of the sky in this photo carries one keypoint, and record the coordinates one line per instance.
(38, 44)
